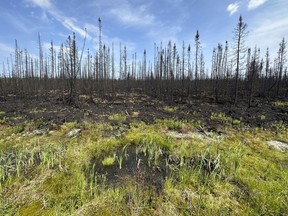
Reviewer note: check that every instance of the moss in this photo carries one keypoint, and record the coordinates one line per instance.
(280, 103)
(117, 117)
(171, 124)
(65, 191)
(19, 128)
(170, 108)
(251, 178)
(33, 208)
(71, 125)
(108, 161)
(147, 137)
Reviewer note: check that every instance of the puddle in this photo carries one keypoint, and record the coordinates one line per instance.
(149, 166)
(147, 169)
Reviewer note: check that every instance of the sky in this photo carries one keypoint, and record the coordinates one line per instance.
(139, 24)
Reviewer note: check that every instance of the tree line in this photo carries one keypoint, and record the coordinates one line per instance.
(176, 72)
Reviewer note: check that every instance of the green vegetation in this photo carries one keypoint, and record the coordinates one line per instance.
(262, 117)
(117, 117)
(144, 170)
(223, 118)
(108, 161)
(280, 103)
(170, 108)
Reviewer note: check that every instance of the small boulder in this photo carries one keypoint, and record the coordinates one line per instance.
(281, 146)
(39, 132)
(73, 133)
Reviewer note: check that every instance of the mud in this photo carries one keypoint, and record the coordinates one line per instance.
(139, 167)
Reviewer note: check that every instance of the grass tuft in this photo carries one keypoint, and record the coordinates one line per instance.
(143, 170)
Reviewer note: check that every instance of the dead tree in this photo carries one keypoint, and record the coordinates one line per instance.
(240, 32)
(281, 62)
(255, 66)
(197, 47)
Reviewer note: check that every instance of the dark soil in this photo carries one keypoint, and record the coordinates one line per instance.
(146, 170)
(147, 109)
(138, 167)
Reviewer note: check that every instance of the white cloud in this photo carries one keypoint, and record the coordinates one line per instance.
(68, 22)
(269, 27)
(132, 16)
(128, 12)
(91, 28)
(44, 4)
(233, 8)
(255, 3)
(269, 33)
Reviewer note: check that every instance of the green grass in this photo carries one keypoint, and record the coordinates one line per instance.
(280, 103)
(236, 174)
(117, 117)
(225, 119)
(108, 161)
(170, 108)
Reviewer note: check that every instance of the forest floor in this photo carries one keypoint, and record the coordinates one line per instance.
(138, 155)
(138, 107)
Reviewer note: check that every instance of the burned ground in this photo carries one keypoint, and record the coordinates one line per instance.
(137, 107)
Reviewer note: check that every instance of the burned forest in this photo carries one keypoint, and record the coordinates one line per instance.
(175, 73)
(168, 131)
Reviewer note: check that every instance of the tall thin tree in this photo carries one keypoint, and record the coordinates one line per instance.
(281, 62)
(197, 47)
(240, 32)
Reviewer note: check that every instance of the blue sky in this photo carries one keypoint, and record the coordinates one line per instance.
(140, 23)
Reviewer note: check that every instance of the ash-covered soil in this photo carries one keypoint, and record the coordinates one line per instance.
(139, 107)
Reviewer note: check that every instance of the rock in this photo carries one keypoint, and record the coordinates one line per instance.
(37, 132)
(73, 133)
(51, 132)
(177, 135)
(201, 134)
(281, 146)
